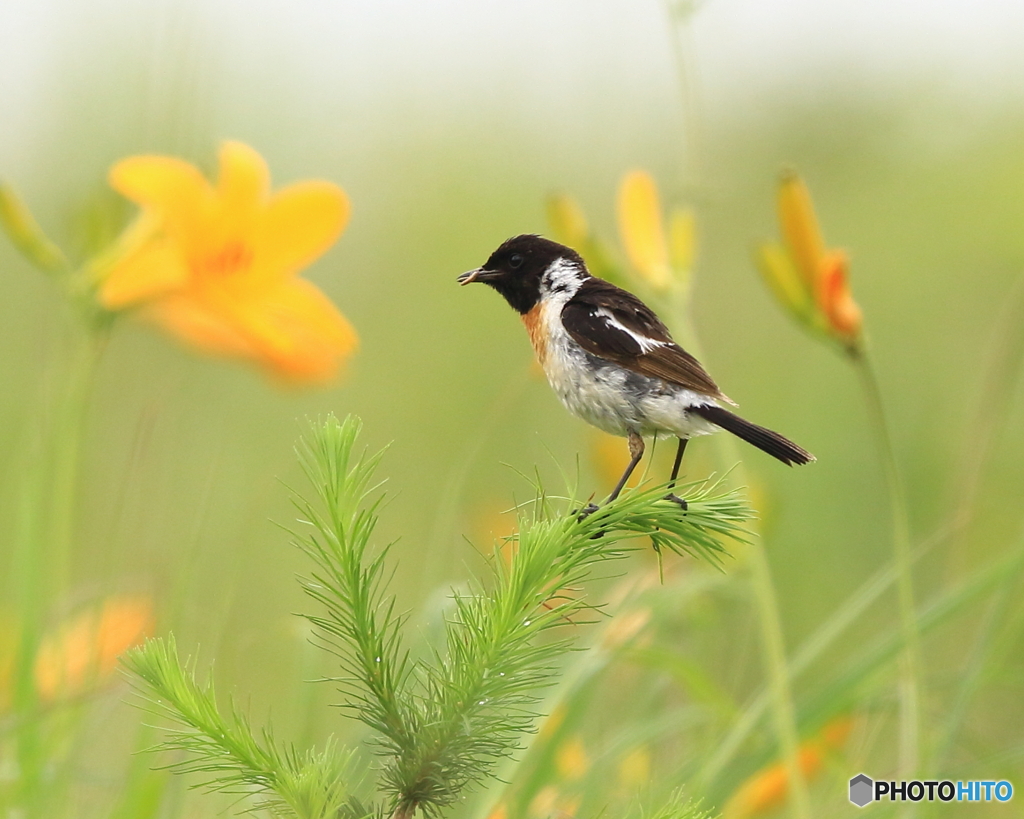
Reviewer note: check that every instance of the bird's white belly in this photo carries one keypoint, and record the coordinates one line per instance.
(613, 398)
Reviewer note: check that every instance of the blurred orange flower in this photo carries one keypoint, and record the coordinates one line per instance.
(217, 265)
(768, 788)
(809, 279)
(662, 257)
(549, 803)
(499, 811)
(85, 649)
(571, 759)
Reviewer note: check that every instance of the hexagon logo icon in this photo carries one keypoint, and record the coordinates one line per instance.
(862, 790)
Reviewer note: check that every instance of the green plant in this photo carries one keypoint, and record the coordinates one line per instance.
(440, 726)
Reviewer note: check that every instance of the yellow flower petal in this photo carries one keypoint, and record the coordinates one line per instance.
(641, 228)
(243, 187)
(145, 273)
(244, 178)
(300, 223)
(202, 325)
(568, 223)
(682, 242)
(293, 329)
(800, 227)
(571, 759)
(312, 336)
(785, 282)
(173, 189)
(217, 267)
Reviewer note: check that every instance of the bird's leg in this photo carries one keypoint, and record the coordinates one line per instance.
(636, 449)
(675, 474)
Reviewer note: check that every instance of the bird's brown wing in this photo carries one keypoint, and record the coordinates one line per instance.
(615, 325)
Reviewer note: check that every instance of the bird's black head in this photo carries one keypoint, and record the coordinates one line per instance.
(528, 267)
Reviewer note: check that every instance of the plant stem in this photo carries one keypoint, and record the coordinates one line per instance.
(774, 646)
(404, 810)
(772, 637)
(910, 664)
(43, 545)
(773, 642)
(680, 13)
(69, 427)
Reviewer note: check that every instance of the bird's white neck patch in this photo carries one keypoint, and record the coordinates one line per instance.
(561, 280)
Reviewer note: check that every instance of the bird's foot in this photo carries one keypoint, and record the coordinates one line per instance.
(585, 512)
(676, 499)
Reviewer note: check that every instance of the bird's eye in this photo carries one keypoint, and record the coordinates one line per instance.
(515, 261)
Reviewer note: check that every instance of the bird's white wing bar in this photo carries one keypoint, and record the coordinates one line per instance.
(646, 344)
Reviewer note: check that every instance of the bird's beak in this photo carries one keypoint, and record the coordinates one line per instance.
(471, 275)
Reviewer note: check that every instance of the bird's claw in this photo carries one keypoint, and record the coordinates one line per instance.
(676, 499)
(585, 512)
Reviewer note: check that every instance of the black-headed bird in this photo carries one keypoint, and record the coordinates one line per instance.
(610, 359)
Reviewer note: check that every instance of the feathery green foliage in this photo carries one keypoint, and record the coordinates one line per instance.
(441, 725)
(359, 625)
(677, 808)
(444, 725)
(222, 748)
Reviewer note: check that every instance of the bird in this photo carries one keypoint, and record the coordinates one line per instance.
(609, 358)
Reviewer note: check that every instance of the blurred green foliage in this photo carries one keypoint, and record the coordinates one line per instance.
(184, 457)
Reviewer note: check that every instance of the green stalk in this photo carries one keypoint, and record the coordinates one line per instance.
(773, 642)
(27, 576)
(43, 547)
(69, 427)
(680, 13)
(773, 645)
(910, 663)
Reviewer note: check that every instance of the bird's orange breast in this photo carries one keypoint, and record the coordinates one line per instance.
(534, 323)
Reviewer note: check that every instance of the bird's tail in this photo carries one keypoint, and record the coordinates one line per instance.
(764, 439)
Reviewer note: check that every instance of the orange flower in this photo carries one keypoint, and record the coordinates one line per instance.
(549, 803)
(768, 788)
(571, 759)
(217, 265)
(662, 258)
(85, 650)
(808, 278)
(499, 811)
